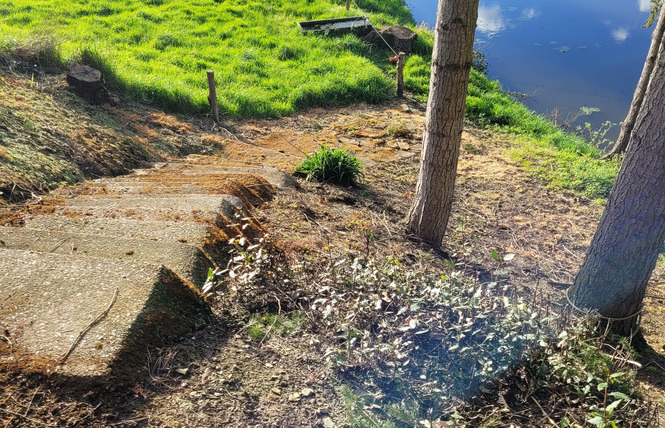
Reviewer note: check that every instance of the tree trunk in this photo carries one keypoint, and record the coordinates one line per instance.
(624, 250)
(451, 62)
(628, 124)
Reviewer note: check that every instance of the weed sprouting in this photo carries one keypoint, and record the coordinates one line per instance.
(260, 326)
(398, 130)
(336, 166)
(597, 137)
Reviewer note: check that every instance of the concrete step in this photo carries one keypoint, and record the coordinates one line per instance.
(216, 209)
(277, 178)
(186, 260)
(201, 202)
(199, 234)
(162, 231)
(50, 303)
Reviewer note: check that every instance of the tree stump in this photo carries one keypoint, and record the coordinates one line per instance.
(88, 83)
(401, 39)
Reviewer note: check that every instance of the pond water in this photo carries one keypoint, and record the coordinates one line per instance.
(563, 54)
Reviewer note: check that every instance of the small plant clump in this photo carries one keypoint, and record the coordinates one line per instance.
(336, 166)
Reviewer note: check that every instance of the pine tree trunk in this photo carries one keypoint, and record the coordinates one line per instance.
(628, 124)
(625, 248)
(444, 121)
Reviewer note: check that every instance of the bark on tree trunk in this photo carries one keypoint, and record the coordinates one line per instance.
(628, 124)
(451, 62)
(624, 250)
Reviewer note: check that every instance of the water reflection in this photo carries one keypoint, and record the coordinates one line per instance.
(620, 35)
(644, 5)
(529, 13)
(563, 54)
(490, 20)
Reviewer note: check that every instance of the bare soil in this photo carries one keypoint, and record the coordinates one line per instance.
(220, 375)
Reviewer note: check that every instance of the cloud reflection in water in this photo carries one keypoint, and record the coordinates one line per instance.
(620, 35)
(644, 5)
(531, 13)
(490, 20)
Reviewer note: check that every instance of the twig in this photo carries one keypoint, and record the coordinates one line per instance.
(129, 421)
(293, 145)
(92, 324)
(279, 312)
(35, 421)
(550, 420)
(25, 415)
(637, 365)
(654, 363)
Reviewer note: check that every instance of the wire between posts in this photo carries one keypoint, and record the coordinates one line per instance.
(380, 36)
(375, 30)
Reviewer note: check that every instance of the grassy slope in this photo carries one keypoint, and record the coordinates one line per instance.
(158, 50)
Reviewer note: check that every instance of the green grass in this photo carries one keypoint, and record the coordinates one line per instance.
(567, 169)
(261, 325)
(562, 159)
(335, 166)
(159, 50)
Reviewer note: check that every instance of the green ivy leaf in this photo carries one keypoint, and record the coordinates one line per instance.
(597, 421)
(613, 405)
(620, 395)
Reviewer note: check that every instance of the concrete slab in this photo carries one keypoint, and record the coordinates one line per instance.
(216, 209)
(200, 234)
(186, 260)
(50, 303)
(189, 202)
(86, 289)
(278, 178)
(163, 231)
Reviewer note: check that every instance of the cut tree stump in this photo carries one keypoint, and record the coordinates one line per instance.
(88, 83)
(401, 39)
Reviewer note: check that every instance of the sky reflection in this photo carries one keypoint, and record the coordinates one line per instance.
(562, 54)
(490, 20)
(644, 5)
(620, 35)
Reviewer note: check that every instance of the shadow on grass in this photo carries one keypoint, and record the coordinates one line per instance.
(171, 101)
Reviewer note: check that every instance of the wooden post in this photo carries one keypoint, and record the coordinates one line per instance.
(212, 98)
(400, 74)
(348, 4)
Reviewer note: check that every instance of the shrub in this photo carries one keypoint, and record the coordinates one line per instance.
(335, 166)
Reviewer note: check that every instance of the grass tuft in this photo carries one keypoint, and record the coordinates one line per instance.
(334, 166)
(39, 48)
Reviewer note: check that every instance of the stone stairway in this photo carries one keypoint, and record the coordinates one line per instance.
(115, 265)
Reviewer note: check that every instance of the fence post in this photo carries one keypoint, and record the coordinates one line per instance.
(400, 74)
(212, 97)
(348, 4)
